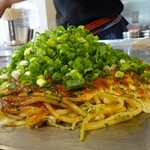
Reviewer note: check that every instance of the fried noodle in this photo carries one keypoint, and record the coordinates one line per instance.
(87, 109)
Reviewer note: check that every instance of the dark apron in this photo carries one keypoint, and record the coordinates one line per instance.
(108, 28)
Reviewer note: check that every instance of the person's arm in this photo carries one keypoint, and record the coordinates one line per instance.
(6, 4)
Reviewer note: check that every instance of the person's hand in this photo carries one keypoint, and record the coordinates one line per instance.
(6, 4)
(3, 5)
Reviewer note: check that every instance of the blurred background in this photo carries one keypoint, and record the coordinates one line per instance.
(38, 15)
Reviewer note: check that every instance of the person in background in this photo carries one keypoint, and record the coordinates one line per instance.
(6, 4)
(100, 17)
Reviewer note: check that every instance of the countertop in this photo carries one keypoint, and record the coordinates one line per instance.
(138, 47)
(131, 135)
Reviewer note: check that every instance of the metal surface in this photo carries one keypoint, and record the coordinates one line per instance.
(130, 135)
(5, 54)
(127, 45)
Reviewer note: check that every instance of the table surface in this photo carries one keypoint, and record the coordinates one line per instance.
(131, 135)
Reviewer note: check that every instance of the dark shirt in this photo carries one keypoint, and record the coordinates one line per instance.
(81, 12)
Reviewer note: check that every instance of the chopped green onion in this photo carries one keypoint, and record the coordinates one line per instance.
(41, 82)
(11, 86)
(119, 74)
(145, 76)
(75, 84)
(65, 56)
(15, 74)
(4, 85)
(1, 94)
(57, 77)
(48, 92)
(1, 81)
(27, 51)
(125, 66)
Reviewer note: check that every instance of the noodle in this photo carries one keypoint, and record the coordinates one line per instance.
(87, 109)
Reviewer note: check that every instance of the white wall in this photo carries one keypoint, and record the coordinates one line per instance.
(137, 9)
(51, 13)
(46, 13)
